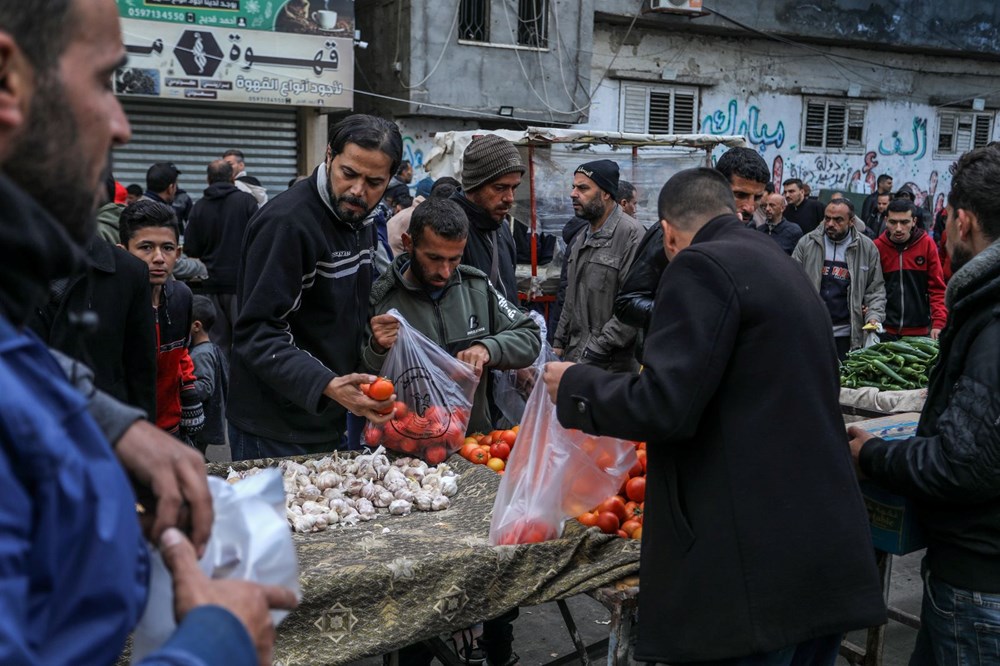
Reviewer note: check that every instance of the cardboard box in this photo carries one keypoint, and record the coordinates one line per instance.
(893, 524)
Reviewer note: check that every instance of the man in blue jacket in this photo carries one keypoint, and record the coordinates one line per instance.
(73, 566)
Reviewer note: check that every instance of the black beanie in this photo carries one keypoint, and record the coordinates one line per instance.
(602, 172)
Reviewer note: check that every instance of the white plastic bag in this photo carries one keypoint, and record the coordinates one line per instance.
(511, 388)
(554, 474)
(250, 541)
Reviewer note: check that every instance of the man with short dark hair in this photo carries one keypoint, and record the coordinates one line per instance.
(921, 215)
(748, 176)
(802, 210)
(161, 182)
(491, 173)
(215, 235)
(786, 234)
(914, 284)
(75, 567)
(951, 468)
(875, 222)
(243, 181)
(627, 197)
(747, 530)
(597, 263)
(133, 193)
(306, 273)
(844, 267)
(883, 185)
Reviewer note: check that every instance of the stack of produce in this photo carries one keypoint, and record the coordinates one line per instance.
(621, 514)
(342, 491)
(890, 366)
(491, 450)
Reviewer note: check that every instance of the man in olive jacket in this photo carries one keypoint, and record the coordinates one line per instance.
(756, 538)
(451, 303)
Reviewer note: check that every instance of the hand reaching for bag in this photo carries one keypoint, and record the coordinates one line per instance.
(478, 356)
(385, 330)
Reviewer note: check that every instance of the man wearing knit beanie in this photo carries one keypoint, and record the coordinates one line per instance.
(491, 172)
(597, 262)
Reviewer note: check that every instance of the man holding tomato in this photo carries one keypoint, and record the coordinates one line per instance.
(756, 547)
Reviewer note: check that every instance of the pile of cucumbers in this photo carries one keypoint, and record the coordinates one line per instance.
(890, 366)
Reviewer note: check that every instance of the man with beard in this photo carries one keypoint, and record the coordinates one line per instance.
(74, 567)
(302, 289)
(951, 468)
(598, 260)
(845, 268)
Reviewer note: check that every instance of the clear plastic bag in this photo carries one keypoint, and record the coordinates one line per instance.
(434, 398)
(511, 388)
(554, 474)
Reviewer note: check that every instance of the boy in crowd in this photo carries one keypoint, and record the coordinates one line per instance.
(212, 371)
(149, 230)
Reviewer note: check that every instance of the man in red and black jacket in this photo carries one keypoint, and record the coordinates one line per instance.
(914, 285)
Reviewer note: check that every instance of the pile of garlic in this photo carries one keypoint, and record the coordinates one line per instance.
(322, 493)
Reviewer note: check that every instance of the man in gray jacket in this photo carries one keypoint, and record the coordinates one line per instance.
(845, 268)
(599, 259)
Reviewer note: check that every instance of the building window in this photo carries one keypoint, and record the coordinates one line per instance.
(474, 20)
(657, 110)
(834, 124)
(532, 23)
(960, 131)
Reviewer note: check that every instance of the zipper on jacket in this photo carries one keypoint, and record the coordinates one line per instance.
(440, 319)
(902, 295)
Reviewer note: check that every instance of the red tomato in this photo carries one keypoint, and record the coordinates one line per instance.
(401, 410)
(607, 521)
(614, 504)
(589, 518)
(407, 445)
(630, 526)
(486, 440)
(623, 534)
(381, 389)
(500, 450)
(508, 436)
(635, 470)
(527, 530)
(372, 436)
(631, 509)
(637, 534)
(467, 450)
(479, 456)
(460, 414)
(636, 488)
(435, 455)
(641, 455)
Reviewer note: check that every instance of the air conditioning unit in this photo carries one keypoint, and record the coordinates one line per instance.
(676, 6)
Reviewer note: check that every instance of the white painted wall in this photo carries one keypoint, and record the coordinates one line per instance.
(757, 88)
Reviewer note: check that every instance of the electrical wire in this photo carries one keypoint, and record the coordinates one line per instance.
(444, 49)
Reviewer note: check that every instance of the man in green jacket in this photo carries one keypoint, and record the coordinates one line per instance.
(451, 303)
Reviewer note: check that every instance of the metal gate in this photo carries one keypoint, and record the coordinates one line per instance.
(192, 135)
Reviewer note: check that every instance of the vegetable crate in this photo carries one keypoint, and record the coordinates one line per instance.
(893, 523)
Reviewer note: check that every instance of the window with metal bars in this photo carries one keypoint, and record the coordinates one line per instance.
(960, 131)
(532, 23)
(474, 20)
(657, 110)
(834, 124)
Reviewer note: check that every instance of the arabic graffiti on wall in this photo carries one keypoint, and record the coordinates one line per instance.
(413, 154)
(729, 121)
(915, 147)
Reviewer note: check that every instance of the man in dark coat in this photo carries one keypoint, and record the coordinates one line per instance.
(756, 539)
(951, 468)
(102, 318)
(215, 235)
(491, 173)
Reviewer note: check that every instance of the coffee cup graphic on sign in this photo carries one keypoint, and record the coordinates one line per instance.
(325, 19)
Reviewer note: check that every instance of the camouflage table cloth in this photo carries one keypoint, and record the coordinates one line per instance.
(396, 580)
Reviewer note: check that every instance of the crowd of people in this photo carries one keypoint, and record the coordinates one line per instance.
(138, 327)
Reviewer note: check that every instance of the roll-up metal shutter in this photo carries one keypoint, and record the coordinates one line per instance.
(191, 136)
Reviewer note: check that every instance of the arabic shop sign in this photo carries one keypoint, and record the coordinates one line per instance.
(258, 63)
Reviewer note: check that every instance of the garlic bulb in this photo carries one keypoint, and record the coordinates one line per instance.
(439, 503)
(400, 507)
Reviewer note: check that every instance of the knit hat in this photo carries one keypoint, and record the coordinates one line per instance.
(602, 172)
(486, 158)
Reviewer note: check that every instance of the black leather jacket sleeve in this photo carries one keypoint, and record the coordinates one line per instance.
(634, 303)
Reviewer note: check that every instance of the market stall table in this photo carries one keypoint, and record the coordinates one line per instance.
(397, 580)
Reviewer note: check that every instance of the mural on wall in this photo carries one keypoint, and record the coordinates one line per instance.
(729, 121)
(897, 146)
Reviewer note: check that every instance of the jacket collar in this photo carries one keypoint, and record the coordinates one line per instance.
(101, 255)
(980, 277)
(718, 226)
(607, 229)
(219, 190)
(852, 232)
(37, 250)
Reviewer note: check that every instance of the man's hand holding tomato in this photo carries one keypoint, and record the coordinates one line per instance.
(478, 356)
(553, 375)
(347, 390)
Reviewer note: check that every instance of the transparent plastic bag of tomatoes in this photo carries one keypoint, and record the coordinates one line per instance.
(434, 393)
(554, 474)
(511, 388)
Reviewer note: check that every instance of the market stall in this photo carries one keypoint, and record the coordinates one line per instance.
(551, 155)
(384, 584)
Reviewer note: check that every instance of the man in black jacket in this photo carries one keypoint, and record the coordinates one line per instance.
(802, 209)
(303, 288)
(491, 173)
(951, 468)
(755, 544)
(883, 185)
(215, 235)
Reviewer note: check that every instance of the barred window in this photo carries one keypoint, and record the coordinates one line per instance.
(960, 131)
(532, 23)
(474, 20)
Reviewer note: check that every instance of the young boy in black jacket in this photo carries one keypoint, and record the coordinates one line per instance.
(212, 371)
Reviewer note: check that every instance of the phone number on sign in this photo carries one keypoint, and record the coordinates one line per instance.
(158, 14)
